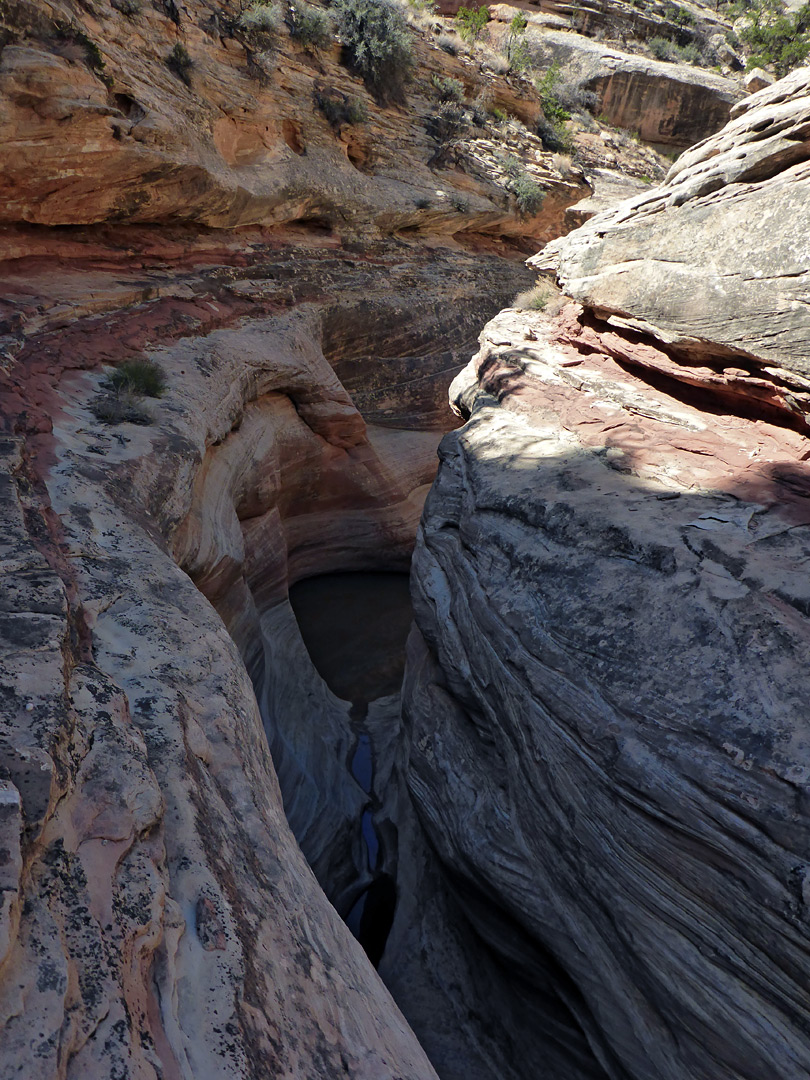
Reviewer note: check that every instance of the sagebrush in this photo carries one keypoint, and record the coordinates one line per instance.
(378, 46)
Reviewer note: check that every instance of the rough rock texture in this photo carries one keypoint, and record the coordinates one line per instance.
(606, 696)
(714, 262)
(157, 913)
(669, 104)
(624, 20)
(165, 921)
(97, 126)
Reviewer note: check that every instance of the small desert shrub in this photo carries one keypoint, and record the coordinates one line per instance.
(449, 89)
(661, 48)
(341, 109)
(377, 42)
(551, 128)
(422, 203)
(448, 124)
(118, 406)
(691, 54)
(482, 109)
(681, 16)
(180, 63)
(127, 7)
(516, 48)
(143, 377)
(535, 299)
(308, 25)
(555, 136)
(470, 22)
(774, 37)
(572, 97)
(460, 203)
(261, 17)
(528, 194)
(491, 60)
(448, 44)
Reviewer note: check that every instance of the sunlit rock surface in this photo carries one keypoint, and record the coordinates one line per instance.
(606, 696)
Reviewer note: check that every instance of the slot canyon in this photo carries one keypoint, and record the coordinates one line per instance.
(405, 501)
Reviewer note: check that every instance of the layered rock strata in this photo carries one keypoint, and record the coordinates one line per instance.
(605, 696)
(666, 104)
(136, 916)
(102, 123)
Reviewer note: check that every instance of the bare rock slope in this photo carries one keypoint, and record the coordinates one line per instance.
(606, 696)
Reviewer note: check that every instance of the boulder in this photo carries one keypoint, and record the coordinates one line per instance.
(713, 263)
(757, 79)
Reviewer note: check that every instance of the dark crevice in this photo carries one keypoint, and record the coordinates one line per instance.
(730, 398)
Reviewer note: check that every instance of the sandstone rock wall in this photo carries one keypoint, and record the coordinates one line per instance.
(605, 700)
(667, 104)
(99, 127)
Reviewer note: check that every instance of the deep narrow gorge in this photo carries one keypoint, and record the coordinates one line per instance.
(368, 710)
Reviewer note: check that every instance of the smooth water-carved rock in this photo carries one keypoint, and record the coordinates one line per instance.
(608, 747)
(165, 921)
(605, 699)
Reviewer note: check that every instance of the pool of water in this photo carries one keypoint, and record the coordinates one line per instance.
(355, 626)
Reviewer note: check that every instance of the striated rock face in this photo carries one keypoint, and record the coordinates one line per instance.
(158, 915)
(605, 695)
(99, 126)
(670, 104)
(714, 262)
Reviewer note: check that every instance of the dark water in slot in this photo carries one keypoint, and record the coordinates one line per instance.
(355, 627)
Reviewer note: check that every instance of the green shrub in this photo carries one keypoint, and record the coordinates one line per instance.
(681, 16)
(127, 7)
(340, 108)
(470, 22)
(180, 63)
(448, 124)
(261, 17)
(691, 54)
(93, 57)
(118, 406)
(143, 377)
(517, 51)
(553, 108)
(449, 89)
(555, 136)
(308, 25)
(773, 36)
(377, 42)
(528, 194)
(661, 48)
(551, 128)
(535, 299)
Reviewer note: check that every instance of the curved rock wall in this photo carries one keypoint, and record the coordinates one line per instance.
(135, 915)
(671, 105)
(606, 697)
